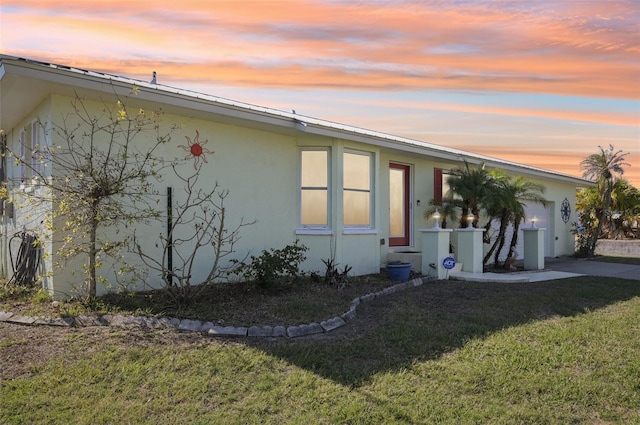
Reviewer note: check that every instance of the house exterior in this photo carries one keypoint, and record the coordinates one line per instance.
(346, 193)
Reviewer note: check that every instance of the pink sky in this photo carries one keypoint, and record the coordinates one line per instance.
(538, 82)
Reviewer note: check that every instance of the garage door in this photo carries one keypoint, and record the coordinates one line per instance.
(543, 217)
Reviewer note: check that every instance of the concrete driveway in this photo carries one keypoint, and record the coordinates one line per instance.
(593, 267)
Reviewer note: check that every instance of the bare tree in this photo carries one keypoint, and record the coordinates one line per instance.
(197, 225)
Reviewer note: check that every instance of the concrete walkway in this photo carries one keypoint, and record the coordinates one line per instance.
(556, 268)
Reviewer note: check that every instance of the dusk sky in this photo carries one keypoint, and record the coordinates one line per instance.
(540, 82)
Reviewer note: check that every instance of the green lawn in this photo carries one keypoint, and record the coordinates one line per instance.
(558, 352)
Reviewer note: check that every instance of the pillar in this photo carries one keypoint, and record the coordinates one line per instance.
(435, 248)
(533, 248)
(469, 251)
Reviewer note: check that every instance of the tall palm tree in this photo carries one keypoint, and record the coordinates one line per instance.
(525, 191)
(603, 168)
(506, 203)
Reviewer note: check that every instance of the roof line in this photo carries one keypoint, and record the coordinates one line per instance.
(392, 141)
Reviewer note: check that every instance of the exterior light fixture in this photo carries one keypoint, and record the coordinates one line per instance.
(436, 217)
(470, 219)
(533, 222)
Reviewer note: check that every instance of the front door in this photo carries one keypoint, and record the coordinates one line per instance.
(399, 204)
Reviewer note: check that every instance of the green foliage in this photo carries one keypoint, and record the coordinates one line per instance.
(501, 197)
(583, 230)
(106, 166)
(472, 185)
(604, 168)
(41, 296)
(623, 216)
(505, 203)
(274, 267)
(334, 276)
(12, 291)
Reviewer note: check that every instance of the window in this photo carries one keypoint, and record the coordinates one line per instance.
(441, 189)
(438, 186)
(356, 182)
(314, 188)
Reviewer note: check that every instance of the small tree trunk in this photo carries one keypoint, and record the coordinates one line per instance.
(501, 241)
(514, 239)
(93, 251)
(504, 222)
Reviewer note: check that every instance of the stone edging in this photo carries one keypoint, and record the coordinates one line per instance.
(208, 328)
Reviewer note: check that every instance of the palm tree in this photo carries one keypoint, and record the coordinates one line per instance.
(603, 168)
(448, 209)
(472, 185)
(528, 192)
(506, 203)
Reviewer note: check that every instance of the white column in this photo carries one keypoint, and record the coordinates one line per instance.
(435, 248)
(469, 251)
(533, 248)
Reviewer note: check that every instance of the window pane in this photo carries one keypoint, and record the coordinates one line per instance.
(314, 207)
(356, 208)
(356, 172)
(314, 169)
(396, 206)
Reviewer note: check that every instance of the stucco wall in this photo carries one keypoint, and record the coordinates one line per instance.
(260, 169)
(560, 239)
(27, 215)
(619, 248)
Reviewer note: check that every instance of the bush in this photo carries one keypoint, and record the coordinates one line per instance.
(274, 267)
(584, 233)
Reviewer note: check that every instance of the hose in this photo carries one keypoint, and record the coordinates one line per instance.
(25, 268)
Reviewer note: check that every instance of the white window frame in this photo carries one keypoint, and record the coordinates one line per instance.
(22, 141)
(314, 229)
(371, 227)
(35, 149)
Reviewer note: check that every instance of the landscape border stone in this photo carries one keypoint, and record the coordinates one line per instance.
(208, 328)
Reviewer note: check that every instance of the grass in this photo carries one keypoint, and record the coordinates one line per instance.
(557, 352)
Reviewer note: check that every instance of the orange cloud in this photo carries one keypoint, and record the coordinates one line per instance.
(563, 49)
(562, 161)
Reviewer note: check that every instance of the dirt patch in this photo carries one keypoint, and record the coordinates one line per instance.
(24, 348)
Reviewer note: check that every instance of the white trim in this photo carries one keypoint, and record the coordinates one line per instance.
(313, 231)
(370, 191)
(306, 227)
(22, 141)
(359, 231)
(35, 146)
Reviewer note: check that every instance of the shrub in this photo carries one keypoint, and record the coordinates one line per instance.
(334, 276)
(274, 267)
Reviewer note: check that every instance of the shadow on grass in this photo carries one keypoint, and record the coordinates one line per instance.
(424, 323)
